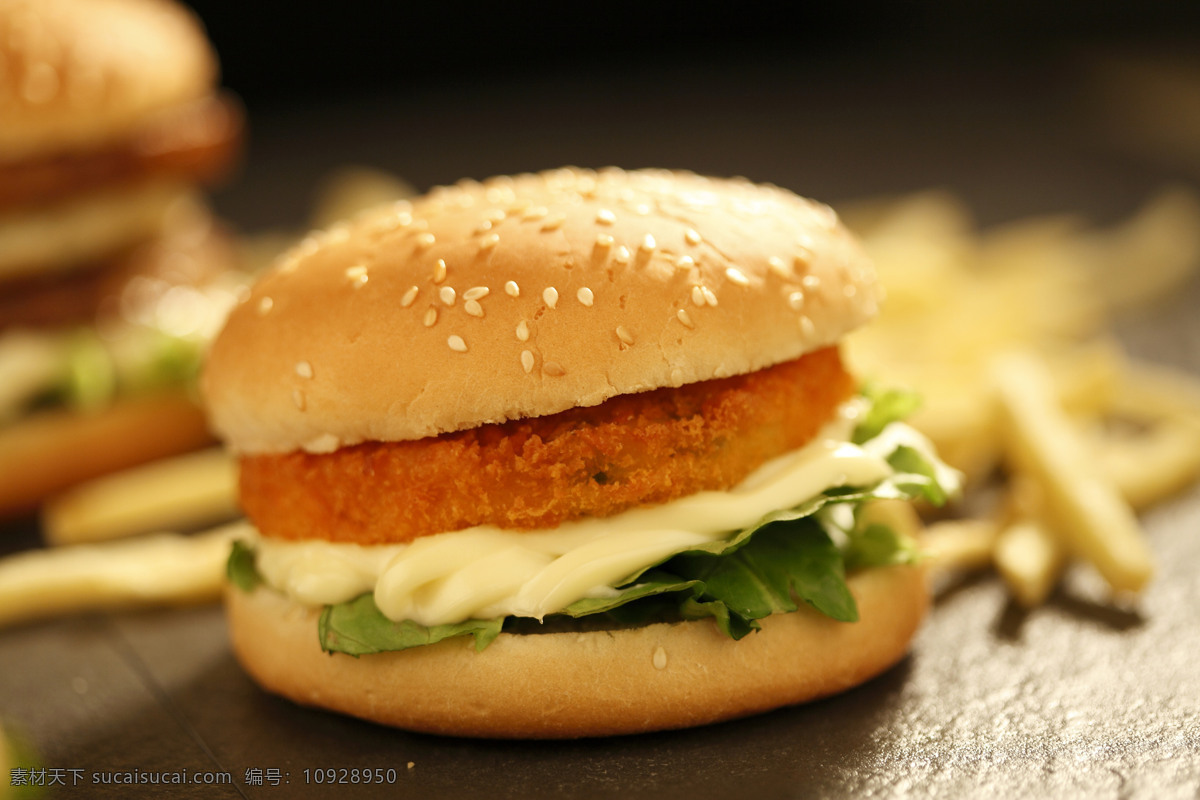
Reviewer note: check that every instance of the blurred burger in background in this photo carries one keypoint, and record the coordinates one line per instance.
(113, 274)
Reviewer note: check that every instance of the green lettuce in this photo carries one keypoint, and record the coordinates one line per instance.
(790, 558)
(357, 627)
(240, 568)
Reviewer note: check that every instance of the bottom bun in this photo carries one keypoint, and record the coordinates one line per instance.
(599, 683)
(51, 451)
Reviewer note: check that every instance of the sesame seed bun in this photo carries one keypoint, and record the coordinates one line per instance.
(525, 296)
(564, 685)
(75, 72)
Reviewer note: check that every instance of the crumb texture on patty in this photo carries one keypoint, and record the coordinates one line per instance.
(632, 450)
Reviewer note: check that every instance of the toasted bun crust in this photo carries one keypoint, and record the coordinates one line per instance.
(525, 296)
(566, 685)
(80, 73)
(48, 452)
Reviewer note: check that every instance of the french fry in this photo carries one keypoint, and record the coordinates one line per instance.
(183, 492)
(1085, 511)
(163, 568)
(1045, 287)
(956, 544)
(1030, 559)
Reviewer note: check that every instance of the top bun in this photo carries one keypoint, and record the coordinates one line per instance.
(525, 296)
(76, 74)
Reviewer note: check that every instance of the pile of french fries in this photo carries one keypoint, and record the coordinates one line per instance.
(1004, 332)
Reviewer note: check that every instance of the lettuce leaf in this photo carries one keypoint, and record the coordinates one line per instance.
(240, 568)
(358, 628)
(886, 406)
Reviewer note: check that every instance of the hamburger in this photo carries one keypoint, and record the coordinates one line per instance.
(112, 271)
(566, 454)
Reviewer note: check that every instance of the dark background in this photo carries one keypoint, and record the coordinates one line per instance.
(835, 100)
(284, 51)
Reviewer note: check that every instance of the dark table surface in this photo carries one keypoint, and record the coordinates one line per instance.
(1084, 697)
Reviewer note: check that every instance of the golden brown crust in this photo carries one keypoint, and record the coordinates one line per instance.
(631, 450)
(82, 73)
(566, 685)
(48, 452)
(526, 296)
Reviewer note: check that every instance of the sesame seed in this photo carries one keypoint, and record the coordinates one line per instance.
(624, 335)
(264, 306)
(298, 399)
(456, 343)
(585, 296)
(796, 300)
(604, 241)
(483, 227)
(621, 256)
(439, 270)
(554, 223)
(810, 282)
(473, 308)
(535, 213)
(425, 240)
(777, 265)
(807, 327)
(523, 330)
(648, 242)
(431, 316)
(737, 276)
(676, 376)
(357, 275)
(659, 659)
(476, 293)
(550, 296)
(511, 289)
(304, 369)
(447, 294)
(721, 372)
(691, 236)
(685, 318)
(553, 369)
(409, 297)
(698, 295)
(489, 241)
(605, 217)
(685, 262)
(709, 297)
(527, 361)
(642, 208)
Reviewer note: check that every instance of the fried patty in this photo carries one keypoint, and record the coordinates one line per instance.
(632, 450)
